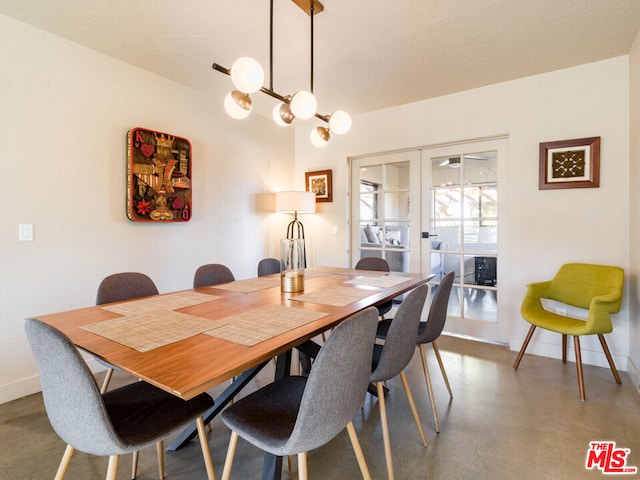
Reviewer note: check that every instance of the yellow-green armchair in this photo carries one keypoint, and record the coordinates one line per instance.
(597, 288)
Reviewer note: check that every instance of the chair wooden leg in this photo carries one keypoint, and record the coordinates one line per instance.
(106, 380)
(427, 377)
(134, 464)
(385, 430)
(231, 453)
(290, 464)
(302, 466)
(160, 453)
(524, 346)
(576, 343)
(444, 373)
(64, 463)
(614, 370)
(204, 445)
(412, 404)
(112, 469)
(564, 348)
(364, 470)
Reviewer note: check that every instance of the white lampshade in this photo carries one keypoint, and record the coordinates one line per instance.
(340, 122)
(303, 105)
(300, 202)
(247, 75)
(282, 114)
(238, 105)
(319, 137)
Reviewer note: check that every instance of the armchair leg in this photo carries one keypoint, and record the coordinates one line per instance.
(64, 463)
(353, 436)
(576, 343)
(160, 454)
(385, 430)
(444, 373)
(412, 404)
(603, 342)
(231, 453)
(302, 466)
(427, 377)
(112, 469)
(564, 348)
(206, 452)
(524, 346)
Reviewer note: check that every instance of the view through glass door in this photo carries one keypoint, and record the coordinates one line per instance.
(385, 209)
(460, 233)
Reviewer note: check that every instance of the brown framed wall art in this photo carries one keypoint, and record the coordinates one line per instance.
(570, 164)
(158, 177)
(320, 183)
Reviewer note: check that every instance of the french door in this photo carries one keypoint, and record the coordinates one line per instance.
(460, 219)
(385, 209)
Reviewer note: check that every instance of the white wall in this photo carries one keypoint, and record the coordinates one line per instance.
(541, 229)
(634, 220)
(65, 114)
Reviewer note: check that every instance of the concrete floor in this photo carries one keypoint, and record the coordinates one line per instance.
(501, 424)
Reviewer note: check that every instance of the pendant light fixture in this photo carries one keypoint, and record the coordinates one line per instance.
(247, 76)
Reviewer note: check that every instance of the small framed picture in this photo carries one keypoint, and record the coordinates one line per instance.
(320, 183)
(570, 164)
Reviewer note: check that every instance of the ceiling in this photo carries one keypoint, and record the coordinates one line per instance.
(368, 54)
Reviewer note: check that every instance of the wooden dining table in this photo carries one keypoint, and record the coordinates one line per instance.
(190, 341)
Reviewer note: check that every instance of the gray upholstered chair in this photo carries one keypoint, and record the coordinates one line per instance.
(117, 288)
(378, 265)
(121, 421)
(125, 286)
(267, 266)
(296, 414)
(212, 274)
(391, 358)
(429, 332)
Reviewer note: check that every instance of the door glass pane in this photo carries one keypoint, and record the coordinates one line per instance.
(368, 206)
(479, 237)
(396, 235)
(371, 175)
(446, 203)
(448, 233)
(480, 168)
(397, 176)
(396, 205)
(445, 171)
(481, 304)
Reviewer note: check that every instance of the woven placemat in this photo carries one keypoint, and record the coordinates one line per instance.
(255, 326)
(334, 296)
(153, 329)
(250, 285)
(172, 301)
(382, 281)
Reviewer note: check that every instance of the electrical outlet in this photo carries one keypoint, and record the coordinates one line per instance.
(561, 311)
(25, 232)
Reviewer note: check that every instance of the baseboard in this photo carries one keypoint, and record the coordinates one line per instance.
(30, 385)
(634, 373)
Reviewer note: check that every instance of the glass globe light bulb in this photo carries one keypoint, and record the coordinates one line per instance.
(319, 137)
(247, 75)
(282, 114)
(303, 105)
(238, 105)
(340, 122)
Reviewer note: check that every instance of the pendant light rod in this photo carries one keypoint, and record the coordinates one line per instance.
(311, 15)
(271, 45)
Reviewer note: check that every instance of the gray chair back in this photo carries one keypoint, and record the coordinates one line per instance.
(267, 266)
(71, 397)
(432, 328)
(212, 274)
(400, 341)
(337, 383)
(125, 286)
(373, 263)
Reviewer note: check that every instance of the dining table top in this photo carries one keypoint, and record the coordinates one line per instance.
(224, 329)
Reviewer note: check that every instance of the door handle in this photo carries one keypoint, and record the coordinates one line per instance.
(428, 235)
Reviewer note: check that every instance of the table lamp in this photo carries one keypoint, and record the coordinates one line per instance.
(296, 202)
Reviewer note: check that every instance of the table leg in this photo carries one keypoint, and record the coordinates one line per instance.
(221, 401)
